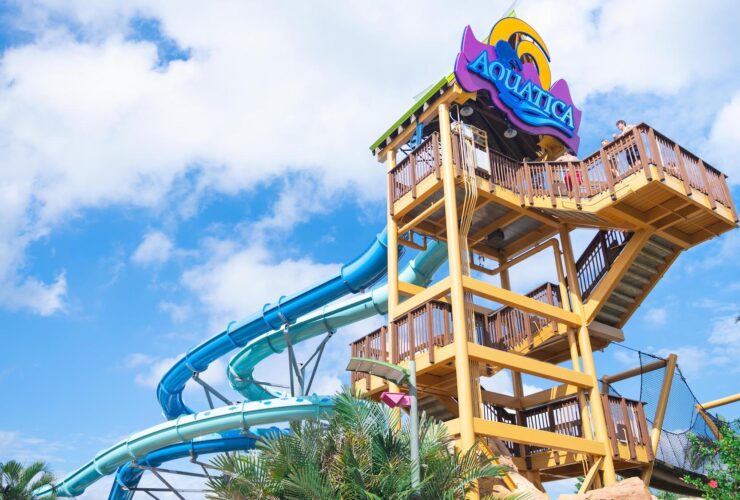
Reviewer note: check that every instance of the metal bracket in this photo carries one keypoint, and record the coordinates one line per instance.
(209, 390)
(298, 370)
(157, 471)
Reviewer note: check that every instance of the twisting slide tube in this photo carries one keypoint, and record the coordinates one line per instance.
(186, 428)
(330, 317)
(128, 476)
(352, 278)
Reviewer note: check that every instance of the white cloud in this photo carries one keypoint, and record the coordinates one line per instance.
(724, 138)
(501, 383)
(25, 449)
(177, 312)
(111, 127)
(656, 316)
(155, 248)
(627, 359)
(237, 281)
(722, 347)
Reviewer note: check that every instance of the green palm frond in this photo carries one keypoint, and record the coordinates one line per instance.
(360, 452)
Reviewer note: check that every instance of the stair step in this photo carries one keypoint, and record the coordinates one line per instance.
(623, 297)
(629, 289)
(616, 307)
(657, 261)
(608, 318)
(644, 268)
(659, 248)
(637, 277)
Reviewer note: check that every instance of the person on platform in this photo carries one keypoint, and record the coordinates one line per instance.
(623, 128)
(631, 152)
(568, 156)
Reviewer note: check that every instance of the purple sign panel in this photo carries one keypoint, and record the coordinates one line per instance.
(515, 89)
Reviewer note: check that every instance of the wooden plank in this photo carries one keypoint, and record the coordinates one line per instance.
(628, 425)
(655, 153)
(608, 173)
(682, 169)
(524, 364)
(533, 437)
(705, 180)
(641, 152)
(589, 479)
(611, 430)
(518, 301)
(433, 292)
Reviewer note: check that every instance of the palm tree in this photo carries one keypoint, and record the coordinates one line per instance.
(359, 452)
(18, 482)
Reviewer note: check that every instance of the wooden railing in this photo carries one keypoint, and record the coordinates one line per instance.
(626, 424)
(510, 327)
(507, 328)
(430, 325)
(416, 332)
(625, 420)
(598, 257)
(372, 346)
(628, 154)
(424, 160)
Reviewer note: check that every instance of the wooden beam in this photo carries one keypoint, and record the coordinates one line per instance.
(721, 402)
(422, 216)
(589, 479)
(535, 437)
(500, 399)
(660, 409)
(520, 302)
(638, 370)
(433, 292)
(528, 240)
(409, 289)
(548, 395)
(524, 364)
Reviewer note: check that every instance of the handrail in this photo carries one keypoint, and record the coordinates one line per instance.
(421, 162)
(633, 152)
(598, 257)
(626, 422)
(506, 328)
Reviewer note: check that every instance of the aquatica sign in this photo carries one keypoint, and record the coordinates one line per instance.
(520, 89)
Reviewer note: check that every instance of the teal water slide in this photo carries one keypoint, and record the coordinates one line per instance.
(261, 406)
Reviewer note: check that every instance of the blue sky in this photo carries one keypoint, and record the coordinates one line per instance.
(168, 168)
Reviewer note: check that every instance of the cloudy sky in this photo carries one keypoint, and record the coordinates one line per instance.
(166, 167)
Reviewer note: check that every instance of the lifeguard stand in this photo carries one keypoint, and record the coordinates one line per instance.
(476, 185)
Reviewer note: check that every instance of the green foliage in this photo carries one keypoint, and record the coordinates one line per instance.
(360, 452)
(579, 483)
(18, 482)
(666, 495)
(722, 463)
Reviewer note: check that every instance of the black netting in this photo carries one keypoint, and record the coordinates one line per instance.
(682, 417)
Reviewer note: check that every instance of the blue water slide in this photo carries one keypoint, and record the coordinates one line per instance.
(128, 476)
(418, 271)
(352, 278)
(184, 429)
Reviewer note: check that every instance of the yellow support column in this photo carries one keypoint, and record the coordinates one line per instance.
(587, 357)
(392, 228)
(665, 392)
(462, 364)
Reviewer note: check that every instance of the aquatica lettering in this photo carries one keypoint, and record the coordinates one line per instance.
(529, 101)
